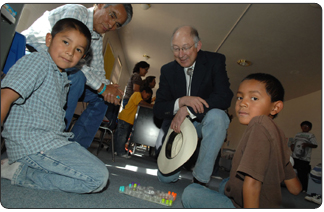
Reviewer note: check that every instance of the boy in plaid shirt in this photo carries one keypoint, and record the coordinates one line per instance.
(33, 95)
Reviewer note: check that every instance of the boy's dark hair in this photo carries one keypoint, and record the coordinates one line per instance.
(139, 65)
(273, 86)
(309, 124)
(71, 23)
(147, 90)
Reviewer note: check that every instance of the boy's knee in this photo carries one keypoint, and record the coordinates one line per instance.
(102, 180)
(186, 197)
(189, 194)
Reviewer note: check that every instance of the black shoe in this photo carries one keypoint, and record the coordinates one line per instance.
(124, 155)
(198, 182)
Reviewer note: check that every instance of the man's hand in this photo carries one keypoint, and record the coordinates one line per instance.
(178, 119)
(111, 92)
(196, 103)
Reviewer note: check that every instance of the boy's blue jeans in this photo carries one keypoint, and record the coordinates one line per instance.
(87, 125)
(212, 130)
(70, 168)
(121, 136)
(198, 196)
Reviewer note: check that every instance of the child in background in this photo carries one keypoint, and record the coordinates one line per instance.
(33, 95)
(301, 149)
(150, 82)
(127, 116)
(262, 159)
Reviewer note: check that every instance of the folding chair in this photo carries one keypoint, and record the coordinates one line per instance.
(108, 126)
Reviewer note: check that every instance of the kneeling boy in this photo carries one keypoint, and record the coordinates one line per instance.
(262, 158)
(33, 95)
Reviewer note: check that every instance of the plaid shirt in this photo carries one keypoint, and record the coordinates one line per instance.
(35, 36)
(35, 122)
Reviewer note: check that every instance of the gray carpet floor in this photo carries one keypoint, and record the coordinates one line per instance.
(141, 168)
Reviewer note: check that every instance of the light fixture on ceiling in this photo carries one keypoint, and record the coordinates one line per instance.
(244, 63)
(146, 56)
(145, 6)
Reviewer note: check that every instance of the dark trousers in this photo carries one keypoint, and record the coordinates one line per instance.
(121, 136)
(303, 169)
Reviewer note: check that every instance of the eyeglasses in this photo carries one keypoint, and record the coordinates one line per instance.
(114, 18)
(184, 49)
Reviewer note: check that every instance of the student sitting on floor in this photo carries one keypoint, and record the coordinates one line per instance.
(33, 95)
(127, 116)
(262, 158)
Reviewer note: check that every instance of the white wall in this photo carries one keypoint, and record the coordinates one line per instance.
(308, 107)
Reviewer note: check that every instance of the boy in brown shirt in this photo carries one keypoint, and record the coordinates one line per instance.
(262, 159)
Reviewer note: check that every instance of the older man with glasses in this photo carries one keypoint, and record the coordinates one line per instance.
(90, 84)
(196, 85)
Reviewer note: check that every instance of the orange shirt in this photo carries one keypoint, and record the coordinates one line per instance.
(128, 114)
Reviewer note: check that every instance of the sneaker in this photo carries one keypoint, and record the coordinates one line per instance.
(316, 198)
(124, 155)
(310, 198)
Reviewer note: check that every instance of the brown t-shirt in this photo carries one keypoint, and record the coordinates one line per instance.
(134, 79)
(264, 155)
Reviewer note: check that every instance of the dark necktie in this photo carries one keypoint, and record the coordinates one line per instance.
(190, 73)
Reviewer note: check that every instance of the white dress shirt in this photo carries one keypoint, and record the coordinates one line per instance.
(188, 79)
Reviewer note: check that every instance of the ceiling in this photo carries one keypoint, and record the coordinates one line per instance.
(284, 40)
